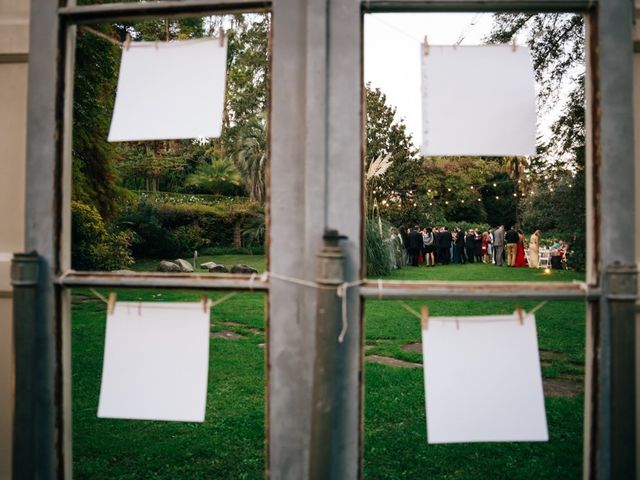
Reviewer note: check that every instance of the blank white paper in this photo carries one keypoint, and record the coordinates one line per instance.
(482, 380)
(478, 101)
(170, 90)
(156, 362)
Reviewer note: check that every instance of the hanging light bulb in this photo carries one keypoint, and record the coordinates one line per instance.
(570, 186)
(462, 201)
(431, 204)
(448, 189)
(495, 185)
(497, 197)
(515, 194)
(447, 202)
(471, 187)
(479, 199)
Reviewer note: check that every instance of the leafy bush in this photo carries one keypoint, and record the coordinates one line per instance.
(151, 239)
(218, 177)
(254, 232)
(173, 229)
(376, 251)
(95, 246)
(466, 226)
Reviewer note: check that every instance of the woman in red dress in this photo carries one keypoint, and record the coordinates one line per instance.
(521, 260)
(485, 241)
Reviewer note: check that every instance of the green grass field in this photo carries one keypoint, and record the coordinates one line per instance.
(230, 443)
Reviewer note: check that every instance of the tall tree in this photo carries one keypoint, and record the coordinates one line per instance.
(94, 181)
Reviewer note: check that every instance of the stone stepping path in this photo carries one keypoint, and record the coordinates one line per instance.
(226, 334)
(392, 362)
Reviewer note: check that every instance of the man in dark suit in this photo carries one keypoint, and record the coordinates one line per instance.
(415, 244)
(436, 245)
(445, 245)
(470, 245)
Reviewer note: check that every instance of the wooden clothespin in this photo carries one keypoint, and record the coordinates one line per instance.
(425, 46)
(111, 304)
(513, 44)
(127, 41)
(424, 317)
(520, 314)
(221, 36)
(205, 303)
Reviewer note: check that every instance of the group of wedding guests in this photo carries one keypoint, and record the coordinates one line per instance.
(430, 246)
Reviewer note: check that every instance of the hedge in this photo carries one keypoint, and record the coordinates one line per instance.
(172, 229)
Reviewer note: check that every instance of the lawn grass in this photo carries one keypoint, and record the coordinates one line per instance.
(230, 443)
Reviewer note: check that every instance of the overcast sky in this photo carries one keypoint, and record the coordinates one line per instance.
(392, 53)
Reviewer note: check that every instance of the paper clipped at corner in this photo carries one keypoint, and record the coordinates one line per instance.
(478, 101)
(170, 90)
(482, 380)
(156, 362)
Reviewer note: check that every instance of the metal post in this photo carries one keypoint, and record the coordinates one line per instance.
(26, 432)
(614, 437)
(324, 428)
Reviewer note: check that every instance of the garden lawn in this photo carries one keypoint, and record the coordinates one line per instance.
(230, 443)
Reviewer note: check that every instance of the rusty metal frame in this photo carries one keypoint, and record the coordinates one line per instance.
(316, 149)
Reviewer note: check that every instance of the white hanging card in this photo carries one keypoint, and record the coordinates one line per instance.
(478, 100)
(156, 362)
(482, 380)
(170, 90)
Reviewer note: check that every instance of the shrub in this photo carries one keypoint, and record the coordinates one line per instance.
(377, 252)
(466, 226)
(173, 229)
(151, 239)
(95, 246)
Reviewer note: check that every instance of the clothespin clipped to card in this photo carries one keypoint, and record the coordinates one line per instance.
(424, 317)
(111, 304)
(221, 36)
(513, 44)
(127, 41)
(425, 46)
(520, 314)
(205, 303)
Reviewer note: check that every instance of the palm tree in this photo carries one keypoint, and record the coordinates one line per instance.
(218, 177)
(250, 155)
(515, 168)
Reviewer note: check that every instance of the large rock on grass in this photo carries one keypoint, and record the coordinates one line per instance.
(169, 267)
(207, 265)
(184, 266)
(218, 268)
(242, 268)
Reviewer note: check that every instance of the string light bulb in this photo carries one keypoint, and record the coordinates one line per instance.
(495, 185)
(497, 197)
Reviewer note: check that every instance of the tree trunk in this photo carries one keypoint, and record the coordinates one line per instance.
(237, 234)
